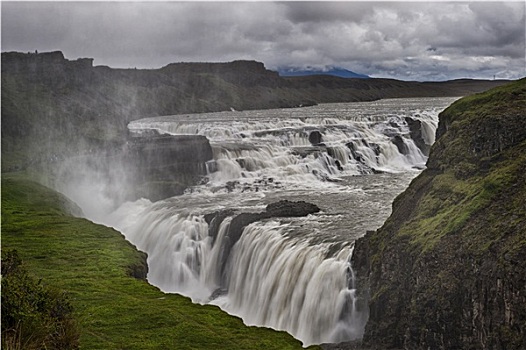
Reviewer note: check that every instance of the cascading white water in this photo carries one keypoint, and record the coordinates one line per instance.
(271, 278)
(255, 145)
(289, 274)
(182, 258)
(290, 285)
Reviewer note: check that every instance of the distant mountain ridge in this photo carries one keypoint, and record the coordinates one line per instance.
(333, 71)
(49, 101)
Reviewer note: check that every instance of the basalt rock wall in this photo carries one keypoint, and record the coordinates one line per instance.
(163, 166)
(447, 269)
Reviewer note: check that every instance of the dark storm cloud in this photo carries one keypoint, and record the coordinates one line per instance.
(319, 12)
(413, 40)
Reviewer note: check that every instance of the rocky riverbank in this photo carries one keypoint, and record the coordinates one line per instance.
(446, 270)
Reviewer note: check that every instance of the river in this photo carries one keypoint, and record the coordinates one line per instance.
(292, 274)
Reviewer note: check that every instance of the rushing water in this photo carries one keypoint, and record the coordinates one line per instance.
(292, 274)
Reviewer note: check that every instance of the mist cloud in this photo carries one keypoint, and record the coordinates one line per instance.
(413, 40)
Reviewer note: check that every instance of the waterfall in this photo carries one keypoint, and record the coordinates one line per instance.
(290, 285)
(272, 278)
(292, 274)
(257, 145)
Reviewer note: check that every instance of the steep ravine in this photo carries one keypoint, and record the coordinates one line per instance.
(447, 269)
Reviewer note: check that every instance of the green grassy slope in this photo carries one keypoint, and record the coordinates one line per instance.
(477, 166)
(95, 264)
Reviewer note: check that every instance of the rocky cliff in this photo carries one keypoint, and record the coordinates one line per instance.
(447, 269)
(164, 166)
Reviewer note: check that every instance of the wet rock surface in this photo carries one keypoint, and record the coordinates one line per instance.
(165, 165)
(415, 132)
(315, 138)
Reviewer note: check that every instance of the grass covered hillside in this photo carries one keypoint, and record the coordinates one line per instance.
(102, 276)
(447, 269)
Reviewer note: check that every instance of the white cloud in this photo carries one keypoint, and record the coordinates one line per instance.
(411, 40)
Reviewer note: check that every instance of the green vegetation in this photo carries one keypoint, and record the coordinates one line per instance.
(480, 157)
(495, 101)
(451, 202)
(33, 316)
(94, 265)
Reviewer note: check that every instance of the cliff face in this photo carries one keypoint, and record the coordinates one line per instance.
(447, 269)
(165, 165)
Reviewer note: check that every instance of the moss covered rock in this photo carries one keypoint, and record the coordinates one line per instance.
(446, 270)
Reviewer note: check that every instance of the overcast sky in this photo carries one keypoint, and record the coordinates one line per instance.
(402, 40)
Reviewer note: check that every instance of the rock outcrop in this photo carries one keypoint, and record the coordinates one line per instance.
(415, 132)
(242, 73)
(447, 269)
(280, 209)
(48, 68)
(315, 138)
(151, 166)
(164, 166)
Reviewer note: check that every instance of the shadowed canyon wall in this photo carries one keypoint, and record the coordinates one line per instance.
(447, 269)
